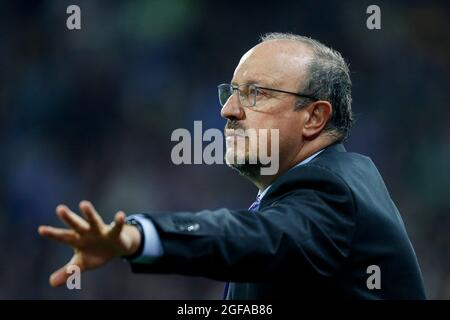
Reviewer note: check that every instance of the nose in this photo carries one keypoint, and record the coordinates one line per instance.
(232, 109)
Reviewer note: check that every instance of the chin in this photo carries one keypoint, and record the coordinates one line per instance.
(236, 157)
(243, 166)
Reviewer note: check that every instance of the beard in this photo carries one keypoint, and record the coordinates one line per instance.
(250, 171)
(239, 160)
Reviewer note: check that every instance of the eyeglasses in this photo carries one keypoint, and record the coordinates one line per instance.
(249, 93)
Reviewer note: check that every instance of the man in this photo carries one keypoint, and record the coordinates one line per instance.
(323, 226)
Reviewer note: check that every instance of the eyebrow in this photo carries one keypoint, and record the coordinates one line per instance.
(259, 81)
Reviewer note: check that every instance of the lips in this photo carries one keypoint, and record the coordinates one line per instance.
(229, 133)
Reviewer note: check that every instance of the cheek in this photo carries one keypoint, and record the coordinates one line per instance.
(289, 125)
(290, 135)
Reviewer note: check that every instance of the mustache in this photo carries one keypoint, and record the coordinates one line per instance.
(233, 124)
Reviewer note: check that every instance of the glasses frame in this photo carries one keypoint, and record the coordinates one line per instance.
(236, 88)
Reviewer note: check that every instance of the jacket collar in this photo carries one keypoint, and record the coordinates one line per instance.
(288, 175)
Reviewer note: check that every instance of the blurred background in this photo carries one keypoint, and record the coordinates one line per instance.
(88, 114)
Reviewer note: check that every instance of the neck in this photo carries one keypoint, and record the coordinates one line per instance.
(307, 149)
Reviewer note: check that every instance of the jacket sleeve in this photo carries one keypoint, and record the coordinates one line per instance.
(307, 228)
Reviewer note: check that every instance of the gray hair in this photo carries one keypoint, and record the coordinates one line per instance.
(328, 79)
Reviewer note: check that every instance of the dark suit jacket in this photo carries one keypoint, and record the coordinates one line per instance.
(318, 229)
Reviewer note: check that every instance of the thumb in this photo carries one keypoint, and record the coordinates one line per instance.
(60, 276)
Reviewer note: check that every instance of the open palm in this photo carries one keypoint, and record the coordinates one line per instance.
(94, 242)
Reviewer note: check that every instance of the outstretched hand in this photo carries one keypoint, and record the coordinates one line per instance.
(95, 243)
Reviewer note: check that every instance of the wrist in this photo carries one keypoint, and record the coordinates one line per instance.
(134, 230)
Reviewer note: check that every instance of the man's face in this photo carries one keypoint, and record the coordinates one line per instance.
(277, 64)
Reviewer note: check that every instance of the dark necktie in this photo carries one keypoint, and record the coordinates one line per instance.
(252, 208)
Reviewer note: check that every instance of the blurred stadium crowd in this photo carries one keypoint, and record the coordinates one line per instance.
(88, 114)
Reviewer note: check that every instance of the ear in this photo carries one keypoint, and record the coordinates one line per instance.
(317, 115)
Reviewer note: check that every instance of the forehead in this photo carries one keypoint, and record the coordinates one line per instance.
(274, 63)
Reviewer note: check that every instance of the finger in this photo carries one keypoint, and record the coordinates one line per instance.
(64, 236)
(117, 226)
(61, 275)
(91, 215)
(71, 219)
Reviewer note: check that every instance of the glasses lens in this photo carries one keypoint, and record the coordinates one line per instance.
(225, 92)
(247, 95)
